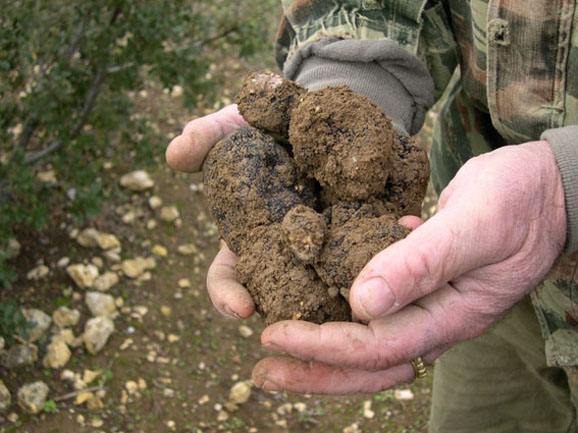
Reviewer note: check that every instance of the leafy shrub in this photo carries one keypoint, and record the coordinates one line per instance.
(67, 68)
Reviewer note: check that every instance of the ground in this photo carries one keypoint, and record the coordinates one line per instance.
(188, 355)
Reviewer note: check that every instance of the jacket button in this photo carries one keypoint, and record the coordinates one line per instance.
(499, 32)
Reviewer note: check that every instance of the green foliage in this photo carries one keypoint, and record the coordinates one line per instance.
(67, 70)
(50, 406)
(12, 322)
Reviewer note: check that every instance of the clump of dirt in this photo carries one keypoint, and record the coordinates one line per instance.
(310, 193)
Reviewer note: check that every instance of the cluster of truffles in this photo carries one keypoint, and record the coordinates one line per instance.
(309, 193)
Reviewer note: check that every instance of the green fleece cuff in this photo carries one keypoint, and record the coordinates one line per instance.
(391, 77)
(564, 143)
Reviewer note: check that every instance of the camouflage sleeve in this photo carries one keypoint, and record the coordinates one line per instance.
(419, 27)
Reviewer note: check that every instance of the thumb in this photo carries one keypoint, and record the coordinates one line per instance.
(188, 151)
(444, 247)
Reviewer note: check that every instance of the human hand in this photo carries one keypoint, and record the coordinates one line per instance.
(500, 226)
(187, 152)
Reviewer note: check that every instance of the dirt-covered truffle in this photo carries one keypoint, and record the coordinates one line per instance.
(282, 287)
(304, 232)
(266, 100)
(348, 247)
(306, 213)
(251, 181)
(344, 141)
(407, 183)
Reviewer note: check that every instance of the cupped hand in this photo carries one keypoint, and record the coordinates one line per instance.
(187, 152)
(501, 225)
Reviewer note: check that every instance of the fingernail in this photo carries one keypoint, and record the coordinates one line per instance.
(375, 297)
(227, 310)
(261, 380)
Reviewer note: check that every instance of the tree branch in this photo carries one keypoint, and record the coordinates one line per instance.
(87, 108)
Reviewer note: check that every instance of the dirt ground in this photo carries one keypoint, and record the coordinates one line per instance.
(185, 355)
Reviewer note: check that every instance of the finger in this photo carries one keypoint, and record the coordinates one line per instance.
(228, 296)
(440, 320)
(410, 221)
(188, 151)
(446, 246)
(293, 375)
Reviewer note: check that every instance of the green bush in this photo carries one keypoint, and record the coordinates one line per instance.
(67, 68)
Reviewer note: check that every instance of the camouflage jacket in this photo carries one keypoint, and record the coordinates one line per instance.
(505, 66)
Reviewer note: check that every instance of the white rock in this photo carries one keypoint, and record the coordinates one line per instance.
(403, 394)
(245, 331)
(97, 332)
(57, 354)
(91, 237)
(367, 411)
(187, 249)
(83, 275)
(134, 268)
(13, 249)
(64, 317)
(38, 272)
(155, 202)
(40, 322)
(107, 280)
(240, 392)
(63, 262)
(100, 304)
(159, 250)
(2, 343)
(67, 336)
(31, 397)
(138, 180)
(5, 397)
(19, 355)
(169, 214)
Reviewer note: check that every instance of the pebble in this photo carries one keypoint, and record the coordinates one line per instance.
(155, 202)
(166, 310)
(169, 214)
(245, 331)
(187, 249)
(353, 428)
(5, 397)
(57, 354)
(160, 251)
(40, 322)
(64, 317)
(138, 180)
(97, 332)
(13, 249)
(151, 224)
(38, 272)
(106, 281)
(90, 238)
(134, 268)
(100, 304)
(2, 343)
(63, 262)
(31, 397)
(367, 412)
(184, 283)
(403, 394)
(172, 338)
(84, 276)
(240, 392)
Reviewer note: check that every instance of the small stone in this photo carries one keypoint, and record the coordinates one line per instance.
(166, 310)
(47, 176)
(187, 249)
(31, 397)
(38, 272)
(285, 409)
(159, 250)
(83, 397)
(222, 416)
(353, 428)
(171, 425)
(89, 376)
(83, 275)
(100, 304)
(107, 241)
(87, 237)
(151, 224)
(64, 317)
(97, 332)
(13, 417)
(13, 248)
(245, 331)
(138, 180)
(240, 392)
(112, 256)
(172, 338)
(134, 268)
(40, 322)
(367, 412)
(5, 397)
(107, 280)
(98, 262)
(155, 202)
(403, 394)
(300, 407)
(2, 344)
(184, 283)
(63, 262)
(96, 422)
(169, 214)
(95, 404)
(57, 354)
(129, 217)
(131, 387)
